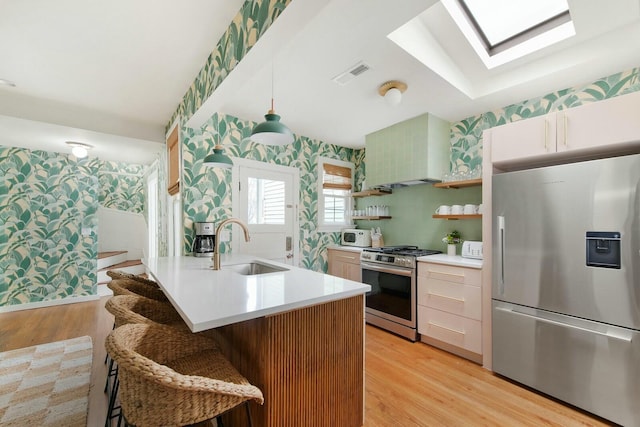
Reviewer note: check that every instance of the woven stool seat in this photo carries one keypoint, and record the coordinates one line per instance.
(169, 377)
(138, 309)
(135, 287)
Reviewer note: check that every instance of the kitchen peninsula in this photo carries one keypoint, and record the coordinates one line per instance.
(296, 334)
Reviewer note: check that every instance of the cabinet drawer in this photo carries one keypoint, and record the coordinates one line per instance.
(450, 328)
(344, 256)
(449, 273)
(455, 298)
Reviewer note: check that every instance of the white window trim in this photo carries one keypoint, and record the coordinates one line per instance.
(326, 228)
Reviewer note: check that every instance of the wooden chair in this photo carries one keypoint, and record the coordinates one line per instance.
(169, 377)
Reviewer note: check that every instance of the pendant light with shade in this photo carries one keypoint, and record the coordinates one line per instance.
(218, 159)
(272, 131)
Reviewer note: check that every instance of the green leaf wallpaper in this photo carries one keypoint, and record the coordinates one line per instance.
(207, 191)
(46, 199)
(122, 186)
(249, 24)
(466, 135)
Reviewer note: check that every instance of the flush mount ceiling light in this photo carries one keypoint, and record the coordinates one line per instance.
(79, 149)
(218, 159)
(392, 92)
(271, 131)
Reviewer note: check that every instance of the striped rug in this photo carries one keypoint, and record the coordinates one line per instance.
(46, 385)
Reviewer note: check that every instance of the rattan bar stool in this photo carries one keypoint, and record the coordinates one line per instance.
(172, 378)
(118, 274)
(135, 309)
(126, 284)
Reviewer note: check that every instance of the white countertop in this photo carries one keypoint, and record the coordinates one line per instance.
(456, 260)
(346, 248)
(207, 299)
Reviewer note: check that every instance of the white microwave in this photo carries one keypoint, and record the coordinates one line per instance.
(356, 237)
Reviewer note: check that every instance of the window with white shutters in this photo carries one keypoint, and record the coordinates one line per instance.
(266, 201)
(334, 194)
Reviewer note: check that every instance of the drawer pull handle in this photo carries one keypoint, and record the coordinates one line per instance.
(445, 274)
(455, 331)
(446, 297)
(346, 257)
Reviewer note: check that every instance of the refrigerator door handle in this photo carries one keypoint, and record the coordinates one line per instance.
(608, 334)
(501, 254)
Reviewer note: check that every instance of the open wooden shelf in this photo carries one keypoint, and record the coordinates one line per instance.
(371, 218)
(367, 193)
(471, 216)
(459, 184)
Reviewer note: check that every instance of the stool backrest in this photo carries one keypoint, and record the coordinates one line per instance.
(137, 309)
(133, 287)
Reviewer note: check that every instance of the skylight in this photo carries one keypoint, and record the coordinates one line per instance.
(503, 30)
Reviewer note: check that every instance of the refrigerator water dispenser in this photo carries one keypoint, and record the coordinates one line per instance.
(603, 249)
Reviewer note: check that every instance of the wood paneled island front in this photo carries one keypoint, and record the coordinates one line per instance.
(296, 334)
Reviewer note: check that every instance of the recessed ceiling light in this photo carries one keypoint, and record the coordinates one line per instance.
(5, 82)
(79, 149)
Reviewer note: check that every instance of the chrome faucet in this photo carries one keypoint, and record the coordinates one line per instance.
(216, 250)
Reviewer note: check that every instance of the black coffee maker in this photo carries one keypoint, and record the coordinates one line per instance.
(205, 240)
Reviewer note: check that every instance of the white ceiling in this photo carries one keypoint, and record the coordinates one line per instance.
(119, 69)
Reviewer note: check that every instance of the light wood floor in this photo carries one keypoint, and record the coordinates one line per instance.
(39, 326)
(407, 384)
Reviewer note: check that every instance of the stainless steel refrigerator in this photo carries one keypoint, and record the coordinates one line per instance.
(566, 283)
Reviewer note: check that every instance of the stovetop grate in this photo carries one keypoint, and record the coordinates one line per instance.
(403, 250)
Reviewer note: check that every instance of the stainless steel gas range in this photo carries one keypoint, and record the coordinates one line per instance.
(391, 273)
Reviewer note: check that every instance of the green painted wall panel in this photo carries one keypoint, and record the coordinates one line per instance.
(412, 208)
(417, 148)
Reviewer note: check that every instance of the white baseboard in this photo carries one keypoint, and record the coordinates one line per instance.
(48, 303)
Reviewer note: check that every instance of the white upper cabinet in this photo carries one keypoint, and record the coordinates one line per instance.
(526, 138)
(609, 122)
(597, 128)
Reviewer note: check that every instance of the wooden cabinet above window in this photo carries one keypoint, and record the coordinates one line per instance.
(173, 160)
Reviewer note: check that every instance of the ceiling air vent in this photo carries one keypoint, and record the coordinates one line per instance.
(354, 71)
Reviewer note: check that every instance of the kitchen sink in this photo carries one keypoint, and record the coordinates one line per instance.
(253, 268)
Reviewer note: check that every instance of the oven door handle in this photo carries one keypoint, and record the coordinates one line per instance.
(391, 270)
